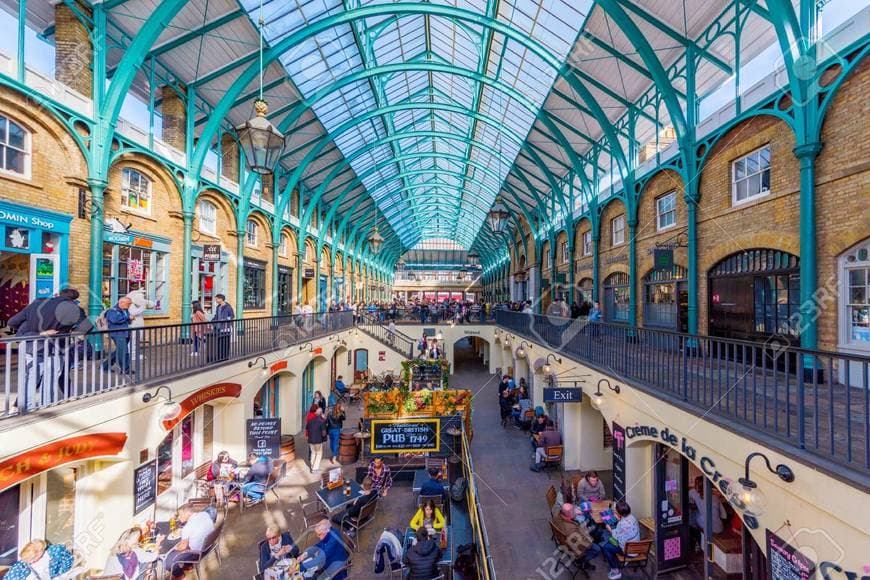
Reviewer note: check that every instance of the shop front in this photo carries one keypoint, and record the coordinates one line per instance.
(34, 254)
(44, 492)
(616, 297)
(136, 261)
(666, 299)
(337, 289)
(285, 290)
(323, 294)
(210, 274)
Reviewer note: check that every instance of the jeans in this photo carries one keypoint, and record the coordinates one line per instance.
(196, 342)
(178, 569)
(608, 550)
(334, 438)
(121, 356)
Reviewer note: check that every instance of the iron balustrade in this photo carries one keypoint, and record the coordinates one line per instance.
(396, 340)
(40, 372)
(439, 315)
(475, 511)
(814, 400)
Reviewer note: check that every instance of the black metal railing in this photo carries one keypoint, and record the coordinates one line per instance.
(433, 315)
(41, 372)
(814, 400)
(395, 339)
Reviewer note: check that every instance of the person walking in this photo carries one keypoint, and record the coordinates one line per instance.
(139, 303)
(198, 329)
(118, 320)
(222, 327)
(316, 429)
(334, 424)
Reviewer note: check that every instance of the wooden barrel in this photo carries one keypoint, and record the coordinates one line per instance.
(288, 448)
(348, 448)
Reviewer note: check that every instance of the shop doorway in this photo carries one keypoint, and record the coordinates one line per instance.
(468, 354)
(666, 299)
(267, 399)
(323, 294)
(285, 289)
(616, 292)
(360, 363)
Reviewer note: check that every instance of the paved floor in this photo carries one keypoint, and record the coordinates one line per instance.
(512, 496)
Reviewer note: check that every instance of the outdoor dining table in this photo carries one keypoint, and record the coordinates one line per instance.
(421, 476)
(334, 499)
(446, 553)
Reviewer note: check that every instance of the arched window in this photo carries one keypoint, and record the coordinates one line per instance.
(283, 247)
(616, 291)
(207, 217)
(135, 191)
(14, 148)
(252, 231)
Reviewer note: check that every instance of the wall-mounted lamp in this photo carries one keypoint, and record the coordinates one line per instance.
(598, 396)
(547, 369)
(170, 410)
(264, 369)
(521, 352)
(309, 346)
(745, 495)
(439, 336)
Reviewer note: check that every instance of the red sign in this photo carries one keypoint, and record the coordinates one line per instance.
(203, 396)
(25, 465)
(278, 366)
(382, 355)
(318, 350)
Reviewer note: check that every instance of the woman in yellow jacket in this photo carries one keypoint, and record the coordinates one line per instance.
(428, 516)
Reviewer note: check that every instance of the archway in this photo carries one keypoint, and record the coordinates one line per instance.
(340, 365)
(471, 353)
(314, 378)
(360, 362)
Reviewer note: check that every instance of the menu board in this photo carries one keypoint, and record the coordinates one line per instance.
(144, 486)
(405, 436)
(264, 437)
(425, 373)
(785, 562)
(618, 461)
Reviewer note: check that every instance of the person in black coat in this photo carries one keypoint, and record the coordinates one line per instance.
(422, 558)
(506, 406)
(278, 545)
(355, 508)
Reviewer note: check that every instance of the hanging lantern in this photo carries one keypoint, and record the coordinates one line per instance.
(261, 143)
(473, 258)
(498, 216)
(376, 240)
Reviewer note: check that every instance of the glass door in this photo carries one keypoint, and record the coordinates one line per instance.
(671, 509)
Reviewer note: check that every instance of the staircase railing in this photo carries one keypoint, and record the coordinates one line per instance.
(398, 341)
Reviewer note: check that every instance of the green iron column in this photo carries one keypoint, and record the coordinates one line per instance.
(316, 305)
(330, 285)
(539, 290)
(187, 262)
(807, 154)
(275, 248)
(596, 239)
(571, 279)
(632, 271)
(95, 276)
(240, 273)
(692, 261)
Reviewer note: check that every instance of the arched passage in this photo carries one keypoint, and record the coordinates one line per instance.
(471, 353)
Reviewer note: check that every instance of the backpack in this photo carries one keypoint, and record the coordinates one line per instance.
(101, 323)
(466, 561)
(457, 490)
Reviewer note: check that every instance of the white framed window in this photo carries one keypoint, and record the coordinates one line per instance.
(750, 176)
(855, 299)
(135, 191)
(617, 227)
(587, 243)
(252, 231)
(207, 217)
(15, 147)
(563, 252)
(666, 211)
(282, 247)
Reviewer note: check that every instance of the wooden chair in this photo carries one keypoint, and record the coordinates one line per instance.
(438, 500)
(636, 556)
(366, 516)
(575, 481)
(200, 476)
(568, 558)
(552, 456)
(552, 494)
(312, 511)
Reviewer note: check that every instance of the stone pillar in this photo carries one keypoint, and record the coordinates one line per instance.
(74, 52)
(229, 158)
(173, 109)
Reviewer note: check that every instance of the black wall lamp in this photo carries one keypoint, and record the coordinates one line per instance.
(170, 409)
(264, 368)
(521, 352)
(310, 348)
(598, 396)
(745, 495)
(546, 368)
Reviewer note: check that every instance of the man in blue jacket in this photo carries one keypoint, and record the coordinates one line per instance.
(118, 321)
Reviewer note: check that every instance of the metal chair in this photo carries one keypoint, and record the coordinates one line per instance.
(551, 499)
(569, 558)
(366, 516)
(312, 511)
(438, 500)
(635, 556)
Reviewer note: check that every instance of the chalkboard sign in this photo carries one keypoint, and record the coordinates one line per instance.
(563, 395)
(405, 436)
(264, 437)
(618, 461)
(144, 486)
(785, 562)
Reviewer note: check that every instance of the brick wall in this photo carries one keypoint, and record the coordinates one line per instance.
(229, 157)
(263, 253)
(225, 235)
(73, 51)
(173, 109)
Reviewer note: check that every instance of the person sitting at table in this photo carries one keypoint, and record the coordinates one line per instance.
(549, 437)
(197, 527)
(221, 473)
(254, 484)
(434, 485)
(505, 406)
(579, 539)
(340, 387)
(525, 404)
(278, 546)
(382, 480)
(538, 426)
(332, 555)
(127, 559)
(422, 558)
(40, 560)
(354, 509)
(627, 529)
(388, 382)
(590, 488)
(427, 516)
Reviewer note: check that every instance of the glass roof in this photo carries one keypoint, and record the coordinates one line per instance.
(463, 135)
